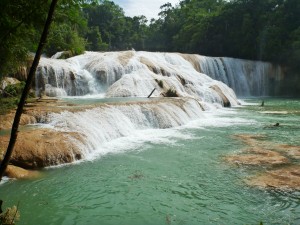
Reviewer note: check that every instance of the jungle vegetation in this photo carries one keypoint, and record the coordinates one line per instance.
(267, 30)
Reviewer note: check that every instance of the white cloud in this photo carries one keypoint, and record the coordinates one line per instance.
(148, 8)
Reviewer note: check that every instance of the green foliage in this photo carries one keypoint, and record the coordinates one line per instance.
(63, 38)
(110, 20)
(171, 93)
(68, 29)
(13, 90)
(252, 29)
(160, 83)
(22, 22)
(116, 31)
(18, 22)
(8, 104)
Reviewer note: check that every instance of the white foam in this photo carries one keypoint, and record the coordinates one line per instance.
(138, 141)
(275, 112)
(4, 180)
(87, 96)
(111, 129)
(128, 74)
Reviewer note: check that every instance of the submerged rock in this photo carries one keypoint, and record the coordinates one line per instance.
(260, 152)
(291, 150)
(20, 173)
(258, 156)
(252, 139)
(284, 178)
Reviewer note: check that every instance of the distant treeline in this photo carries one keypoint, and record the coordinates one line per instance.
(266, 30)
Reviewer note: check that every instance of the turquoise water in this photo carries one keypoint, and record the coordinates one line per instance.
(93, 100)
(181, 179)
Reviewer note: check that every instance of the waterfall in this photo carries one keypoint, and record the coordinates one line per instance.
(131, 73)
(107, 122)
(245, 77)
(201, 84)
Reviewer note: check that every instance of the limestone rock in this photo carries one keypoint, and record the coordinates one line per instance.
(43, 147)
(284, 178)
(8, 81)
(7, 120)
(258, 156)
(291, 150)
(20, 173)
(226, 102)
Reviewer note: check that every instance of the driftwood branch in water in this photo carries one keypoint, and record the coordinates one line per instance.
(15, 126)
(151, 93)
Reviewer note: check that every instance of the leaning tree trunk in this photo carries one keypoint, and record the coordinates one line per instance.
(15, 126)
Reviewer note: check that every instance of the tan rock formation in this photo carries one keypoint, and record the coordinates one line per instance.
(252, 139)
(7, 120)
(259, 151)
(258, 156)
(8, 81)
(150, 65)
(33, 112)
(226, 102)
(20, 173)
(291, 150)
(125, 56)
(285, 178)
(193, 60)
(43, 147)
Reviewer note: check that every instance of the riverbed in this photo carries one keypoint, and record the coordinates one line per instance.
(169, 176)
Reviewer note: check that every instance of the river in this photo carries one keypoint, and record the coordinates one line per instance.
(169, 176)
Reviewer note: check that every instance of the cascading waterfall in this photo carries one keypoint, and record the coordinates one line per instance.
(130, 73)
(245, 77)
(136, 74)
(105, 123)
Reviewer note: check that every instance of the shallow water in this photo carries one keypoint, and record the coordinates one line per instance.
(176, 176)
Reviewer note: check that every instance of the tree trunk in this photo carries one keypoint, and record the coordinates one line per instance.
(15, 126)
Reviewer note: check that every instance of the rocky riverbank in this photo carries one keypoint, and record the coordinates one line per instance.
(36, 147)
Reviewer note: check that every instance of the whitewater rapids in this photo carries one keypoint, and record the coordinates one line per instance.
(130, 74)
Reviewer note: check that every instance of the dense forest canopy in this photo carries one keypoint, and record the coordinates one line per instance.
(266, 30)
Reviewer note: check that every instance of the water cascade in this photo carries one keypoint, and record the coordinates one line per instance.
(136, 74)
(130, 77)
(102, 124)
(130, 73)
(245, 77)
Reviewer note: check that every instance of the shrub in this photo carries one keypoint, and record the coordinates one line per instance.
(160, 83)
(171, 93)
(13, 90)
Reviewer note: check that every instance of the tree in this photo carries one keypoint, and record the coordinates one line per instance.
(110, 20)
(18, 30)
(15, 126)
(68, 30)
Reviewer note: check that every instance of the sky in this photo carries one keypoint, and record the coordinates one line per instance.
(148, 8)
